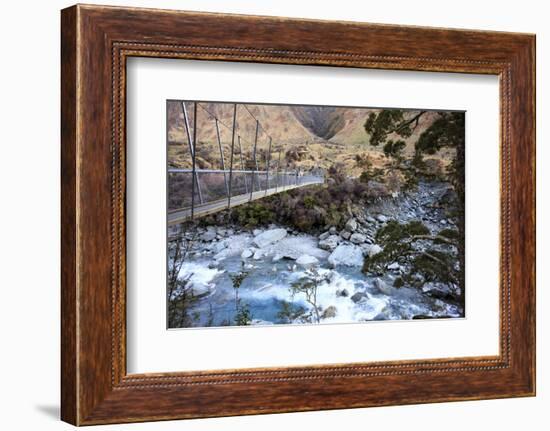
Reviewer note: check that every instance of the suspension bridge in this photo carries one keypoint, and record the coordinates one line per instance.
(197, 192)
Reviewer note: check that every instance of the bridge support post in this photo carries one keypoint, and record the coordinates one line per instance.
(191, 142)
(231, 159)
(277, 172)
(242, 163)
(221, 156)
(254, 173)
(268, 161)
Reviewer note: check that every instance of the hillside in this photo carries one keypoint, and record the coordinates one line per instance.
(307, 136)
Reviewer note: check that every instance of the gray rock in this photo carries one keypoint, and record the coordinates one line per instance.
(345, 234)
(329, 312)
(307, 261)
(348, 255)
(332, 230)
(394, 266)
(209, 235)
(358, 238)
(200, 290)
(292, 247)
(343, 293)
(257, 232)
(277, 257)
(269, 237)
(370, 219)
(330, 243)
(382, 218)
(324, 235)
(382, 286)
(443, 222)
(374, 250)
(351, 225)
(219, 246)
(438, 290)
(358, 297)
(258, 254)
(247, 252)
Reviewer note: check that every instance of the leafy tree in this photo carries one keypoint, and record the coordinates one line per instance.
(243, 316)
(390, 121)
(180, 296)
(394, 149)
(428, 257)
(308, 286)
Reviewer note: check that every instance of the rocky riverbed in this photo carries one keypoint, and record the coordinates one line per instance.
(275, 258)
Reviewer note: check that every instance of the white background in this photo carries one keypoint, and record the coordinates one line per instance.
(29, 228)
(151, 348)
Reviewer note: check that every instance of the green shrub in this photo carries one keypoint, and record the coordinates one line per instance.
(253, 214)
(398, 282)
(310, 201)
(413, 245)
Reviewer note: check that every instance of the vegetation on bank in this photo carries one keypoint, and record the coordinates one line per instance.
(309, 209)
(422, 256)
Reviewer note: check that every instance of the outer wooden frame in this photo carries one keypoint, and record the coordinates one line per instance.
(96, 41)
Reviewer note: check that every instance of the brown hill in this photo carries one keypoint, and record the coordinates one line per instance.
(306, 136)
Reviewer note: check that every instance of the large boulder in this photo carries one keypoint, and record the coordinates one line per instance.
(329, 243)
(307, 261)
(292, 247)
(345, 234)
(209, 235)
(347, 255)
(269, 237)
(233, 246)
(358, 238)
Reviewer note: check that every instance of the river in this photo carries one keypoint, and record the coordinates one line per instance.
(276, 257)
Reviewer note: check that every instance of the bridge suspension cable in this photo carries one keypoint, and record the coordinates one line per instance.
(261, 182)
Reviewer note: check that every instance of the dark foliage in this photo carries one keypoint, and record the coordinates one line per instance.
(426, 257)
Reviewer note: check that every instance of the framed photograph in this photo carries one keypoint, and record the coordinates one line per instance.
(267, 215)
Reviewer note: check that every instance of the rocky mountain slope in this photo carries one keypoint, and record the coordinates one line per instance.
(306, 136)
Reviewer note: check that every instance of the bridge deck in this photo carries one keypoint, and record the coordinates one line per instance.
(181, 215)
